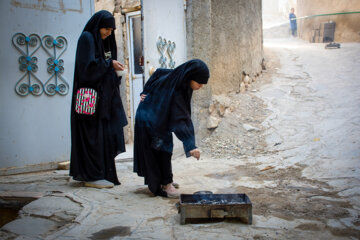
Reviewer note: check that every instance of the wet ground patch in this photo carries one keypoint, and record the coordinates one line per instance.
(291, 197)
(119, 231)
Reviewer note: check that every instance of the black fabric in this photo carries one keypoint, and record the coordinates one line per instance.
(166, 109)
(181, 124)
(97, 139)
(108, 22)
(164, 165)
(161, 87)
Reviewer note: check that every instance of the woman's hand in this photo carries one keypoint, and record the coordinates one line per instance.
(195, 153)
(117, 65)
(142, 97)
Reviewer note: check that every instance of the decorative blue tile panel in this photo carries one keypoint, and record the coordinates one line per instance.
(55, 47)
(164, 47)
(161, 46)
(28, 63)
(27, 46)
(171, 50)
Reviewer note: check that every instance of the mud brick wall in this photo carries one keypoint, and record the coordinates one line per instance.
(347, 26)
(227, 35)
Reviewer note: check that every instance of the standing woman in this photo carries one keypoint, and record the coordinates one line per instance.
(97, 139)
(165, 107)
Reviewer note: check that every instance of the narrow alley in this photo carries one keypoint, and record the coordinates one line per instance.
(298, 161)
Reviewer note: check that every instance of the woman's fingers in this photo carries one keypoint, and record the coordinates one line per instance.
(142, 97)
(195, 153)
(122, 67)
(118, 66)
(115, 66)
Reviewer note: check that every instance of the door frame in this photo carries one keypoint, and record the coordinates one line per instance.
(131, 65)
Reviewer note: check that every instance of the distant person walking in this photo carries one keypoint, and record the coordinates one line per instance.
(293, 26)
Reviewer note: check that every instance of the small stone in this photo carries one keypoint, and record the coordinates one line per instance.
(227, 111)
(222, 109)
(64, 165)
(213, 122)
(247, 80)
(263, 64)
(242, 87)
(212, 108)
(250, 128)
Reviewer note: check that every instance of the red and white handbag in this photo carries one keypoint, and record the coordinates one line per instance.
(86, 100)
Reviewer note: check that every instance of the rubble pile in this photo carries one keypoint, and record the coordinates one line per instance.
(235, 125)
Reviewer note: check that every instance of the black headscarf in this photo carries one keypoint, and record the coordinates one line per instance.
(104, 80)
(161, 87)
(102, 19)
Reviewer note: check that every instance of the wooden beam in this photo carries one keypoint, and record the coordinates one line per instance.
(132, 9)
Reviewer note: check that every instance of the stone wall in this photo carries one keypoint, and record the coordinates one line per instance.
(227, 35)
(347, 26)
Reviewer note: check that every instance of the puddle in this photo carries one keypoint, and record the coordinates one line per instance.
(109, 233)
(292, 198)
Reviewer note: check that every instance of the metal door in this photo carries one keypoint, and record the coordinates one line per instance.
(164, 33)
(164, 37)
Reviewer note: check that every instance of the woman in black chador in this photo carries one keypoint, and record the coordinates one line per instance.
(97, 139)
(165, 108)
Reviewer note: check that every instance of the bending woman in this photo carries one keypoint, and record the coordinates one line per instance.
(165, 107)
(97, 139)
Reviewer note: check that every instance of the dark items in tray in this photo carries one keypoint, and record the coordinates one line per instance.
(332, 45)
(196, 208)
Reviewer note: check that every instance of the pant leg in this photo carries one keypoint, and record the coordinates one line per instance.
(165, 167)
(159, 172)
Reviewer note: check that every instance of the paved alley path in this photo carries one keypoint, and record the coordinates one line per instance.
(304, 184)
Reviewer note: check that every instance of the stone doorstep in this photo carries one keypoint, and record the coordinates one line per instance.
(118, 160)
(29, 168)
(64, 165)
(9, 195)
(16, 200)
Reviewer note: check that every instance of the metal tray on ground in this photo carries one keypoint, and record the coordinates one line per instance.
(196, 208)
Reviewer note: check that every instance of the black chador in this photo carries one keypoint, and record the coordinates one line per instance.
(97, 139)
(166, 109)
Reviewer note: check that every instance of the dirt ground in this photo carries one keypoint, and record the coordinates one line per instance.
(291, 196)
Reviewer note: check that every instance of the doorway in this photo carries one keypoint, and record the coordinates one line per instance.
(135, 46)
